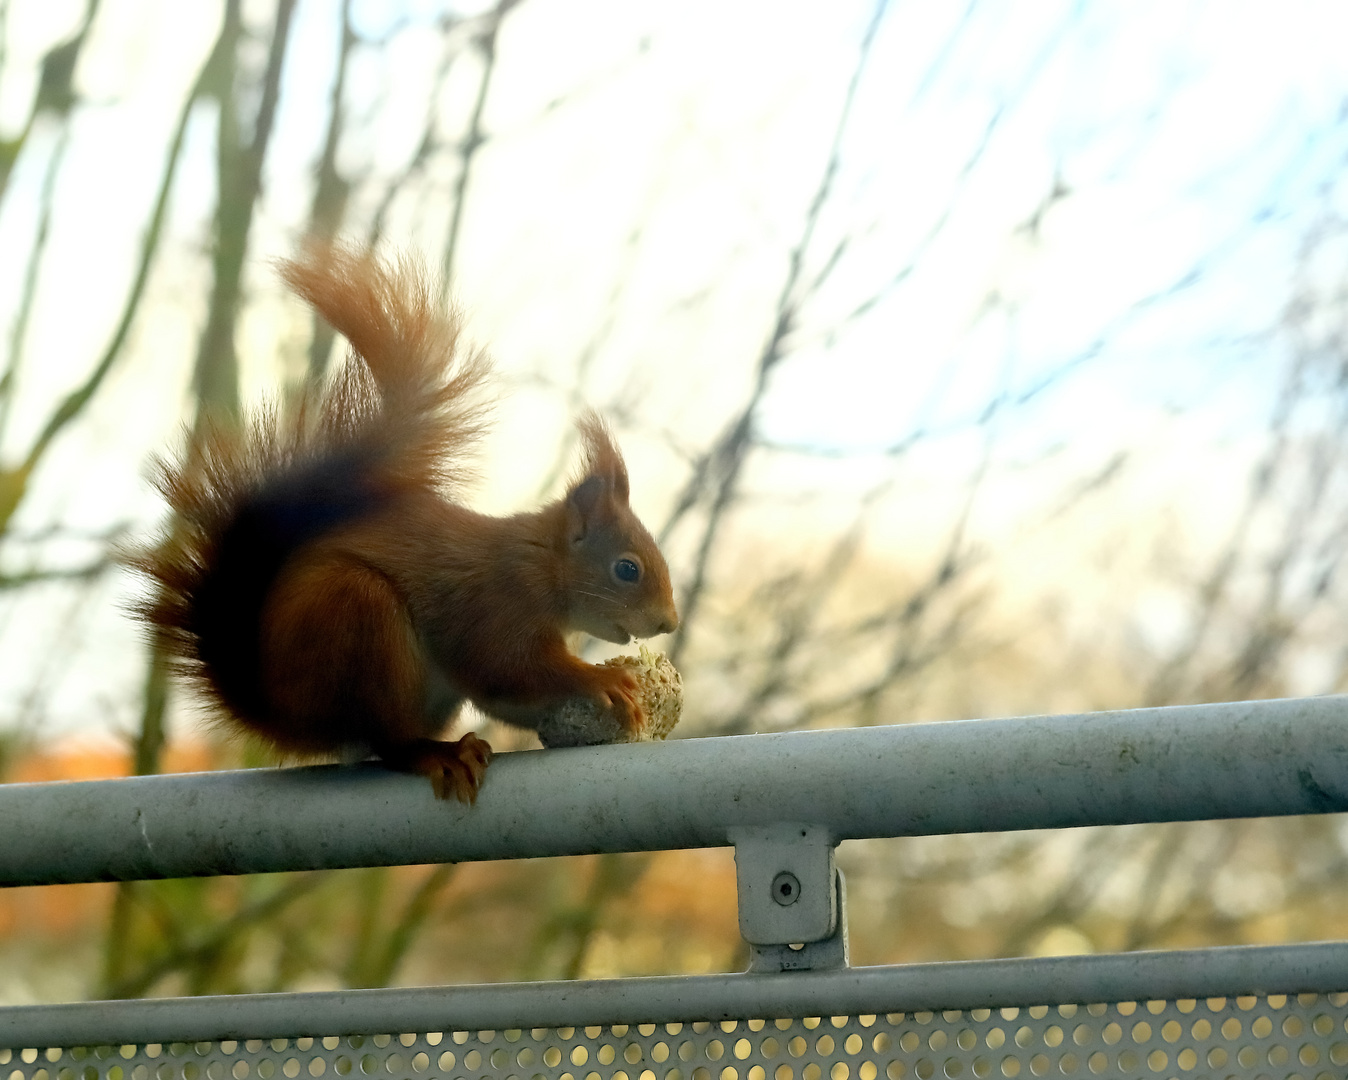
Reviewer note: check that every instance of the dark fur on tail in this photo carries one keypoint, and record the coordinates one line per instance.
(244, 501)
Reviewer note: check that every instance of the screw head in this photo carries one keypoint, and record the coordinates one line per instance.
(785, 888)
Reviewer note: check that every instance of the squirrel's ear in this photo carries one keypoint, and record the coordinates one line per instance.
(601, 489)
(602, 458)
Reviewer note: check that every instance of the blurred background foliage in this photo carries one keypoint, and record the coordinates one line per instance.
(970, 360)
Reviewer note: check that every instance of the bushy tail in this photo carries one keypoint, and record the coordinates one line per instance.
(402, 412)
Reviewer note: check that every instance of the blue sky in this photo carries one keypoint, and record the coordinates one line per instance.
(648, 174)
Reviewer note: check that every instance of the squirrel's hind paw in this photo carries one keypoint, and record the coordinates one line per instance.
(455, 769)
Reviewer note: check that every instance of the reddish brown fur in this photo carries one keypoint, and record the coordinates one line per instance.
(325, 589)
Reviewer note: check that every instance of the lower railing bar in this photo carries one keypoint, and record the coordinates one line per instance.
(1189, 974)
(1243, 759)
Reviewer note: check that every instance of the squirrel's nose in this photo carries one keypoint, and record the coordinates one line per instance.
(670, 624)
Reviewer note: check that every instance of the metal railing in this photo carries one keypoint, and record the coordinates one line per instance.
(784, 802)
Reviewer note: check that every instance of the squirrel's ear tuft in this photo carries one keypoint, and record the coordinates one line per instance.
(602, 461)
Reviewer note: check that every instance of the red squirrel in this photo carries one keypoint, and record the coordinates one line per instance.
(324, 586)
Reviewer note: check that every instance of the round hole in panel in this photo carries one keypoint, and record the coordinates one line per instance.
(1141, 1031)
(896, 1070)
(1157, 1060)
(953, 1068)
(1010, 1066)
(1292, 1026)
(1128, 1061)
(579, 1056)
(215, 1070)
(797, 1046)
(317, 1066)
(524, 1058)
(840, 1071)
(758, 1073)
(925, 1069)
(632, 1053)
(853, 1043)
(867, 1070)
(552, 1057)
(342, 1066)
(1261, 1027)
(1097, 1062)
(937, 1040)
(291, 1067)
(266, 1069)
(500, 1058)
(1278, 1055)
(607, 1054)
(1112, 1033)
(1068, 1064)
(1187, 1059)
(881, 1043)
(715, 1050)
(1039, 1064)
(1338, 1053)
(1024, 1036)
(782, 1072)
(967, 1039)
(811, 1072)
(909, 1041)
(824, 1045)
(1309, 1055)
(240, 1070)
(742, 1049)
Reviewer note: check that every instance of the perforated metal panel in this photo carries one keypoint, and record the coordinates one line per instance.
(1247, 1037)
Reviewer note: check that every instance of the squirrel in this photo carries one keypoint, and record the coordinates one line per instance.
(324, 586)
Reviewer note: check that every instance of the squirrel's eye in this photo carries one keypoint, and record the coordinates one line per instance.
(627, 570)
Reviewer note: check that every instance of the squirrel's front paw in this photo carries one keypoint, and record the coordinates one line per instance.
(620, 695)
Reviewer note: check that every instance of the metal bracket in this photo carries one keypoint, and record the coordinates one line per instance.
(791, 906)
(828, 954)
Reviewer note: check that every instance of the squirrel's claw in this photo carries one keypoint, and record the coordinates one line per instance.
(455, 769)
(621, 695)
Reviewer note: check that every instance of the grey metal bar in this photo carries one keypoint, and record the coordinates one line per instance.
(1245, 759)
(1198, 974)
